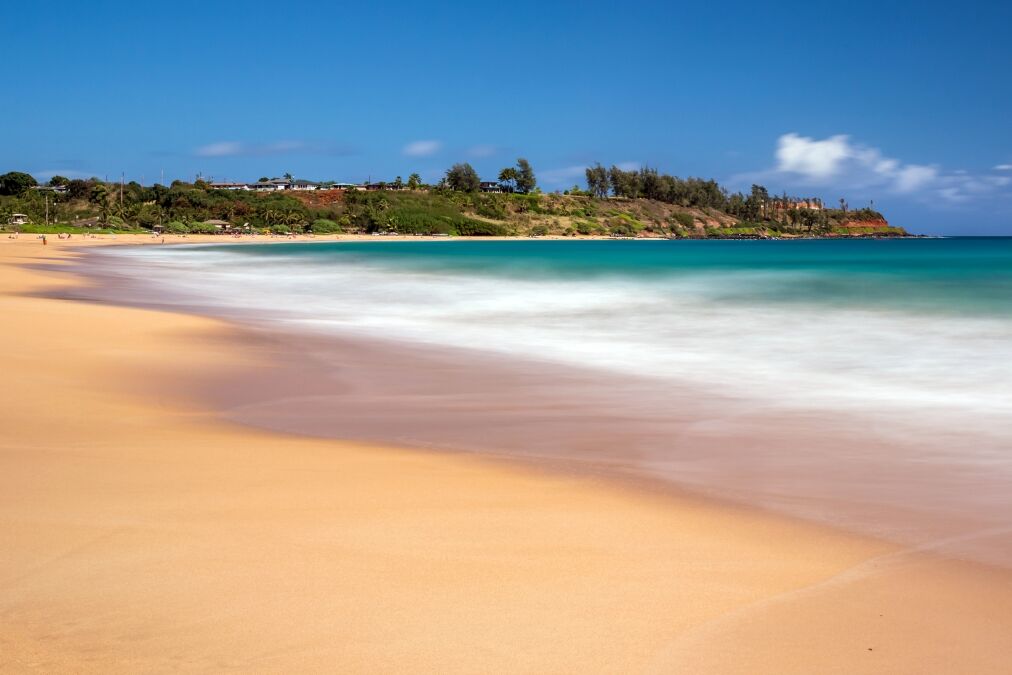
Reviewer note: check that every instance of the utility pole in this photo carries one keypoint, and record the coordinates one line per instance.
(47, 209)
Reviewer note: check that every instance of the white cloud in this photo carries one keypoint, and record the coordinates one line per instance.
(913, 177)
(812, 158)
(240, 149)
(837, 160)
(66, 173)
(482, 150)
(1003, 167)
(841, 163)
(422, 148)
(220, 149)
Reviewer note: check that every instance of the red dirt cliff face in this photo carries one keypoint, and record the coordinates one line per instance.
(317, 198)
(878, 224)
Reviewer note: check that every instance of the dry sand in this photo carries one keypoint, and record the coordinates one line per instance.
(139, 532)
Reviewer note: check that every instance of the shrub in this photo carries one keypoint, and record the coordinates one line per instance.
(622, 229)
(625, 220)
(477, 228)
(175, 227)
(539, 231)
(203, 228)
(411, 222)
(684, 219)
(324, 226)
(490, 206)
(527, 203)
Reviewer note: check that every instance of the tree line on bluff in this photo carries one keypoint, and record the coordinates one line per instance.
(463, 178)
(190, 204)
(648, 183)
(758, 205)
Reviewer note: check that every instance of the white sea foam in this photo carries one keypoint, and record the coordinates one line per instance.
(955, 371)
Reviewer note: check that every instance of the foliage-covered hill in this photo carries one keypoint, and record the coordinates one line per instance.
(692, 212)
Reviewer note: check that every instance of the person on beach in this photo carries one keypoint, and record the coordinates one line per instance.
(44, 242)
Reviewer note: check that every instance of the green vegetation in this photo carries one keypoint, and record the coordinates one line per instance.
(58, 228)
(16, 183)
(684, 219)
(619, 203)
(434, 212)
(325, 226)
(462, 177)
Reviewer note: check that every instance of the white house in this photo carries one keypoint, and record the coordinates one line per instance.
(272, 185)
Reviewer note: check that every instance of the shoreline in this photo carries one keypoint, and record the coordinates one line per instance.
(138, 517)
(337, 237)
(684, 436)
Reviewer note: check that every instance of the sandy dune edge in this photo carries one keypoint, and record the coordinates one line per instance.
(141, 534)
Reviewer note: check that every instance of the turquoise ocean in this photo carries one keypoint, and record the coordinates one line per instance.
(912, 322)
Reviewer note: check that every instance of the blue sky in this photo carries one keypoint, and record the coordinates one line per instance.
(906, 104)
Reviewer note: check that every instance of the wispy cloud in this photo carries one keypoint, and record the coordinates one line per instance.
(842, 163)
(425, 148)
(1003, 167)
(285, 147)
(836, 158)
(66, 173)
(482, 150)
(220, 149)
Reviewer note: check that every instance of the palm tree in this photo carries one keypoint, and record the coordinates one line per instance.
(508, 177)
(293, 219)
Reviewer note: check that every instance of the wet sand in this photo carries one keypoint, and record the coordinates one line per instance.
(144, 532)
(827, 467)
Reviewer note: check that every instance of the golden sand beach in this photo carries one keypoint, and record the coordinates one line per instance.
(141, 533)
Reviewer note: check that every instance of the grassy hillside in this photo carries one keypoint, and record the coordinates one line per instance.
(188, 208)
(443, 211)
